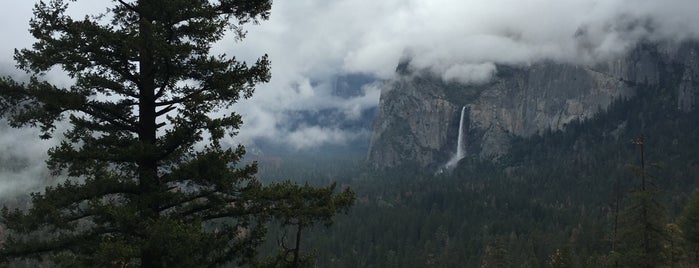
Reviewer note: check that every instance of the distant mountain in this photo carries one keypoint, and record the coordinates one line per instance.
(565, 176)
(418, 116)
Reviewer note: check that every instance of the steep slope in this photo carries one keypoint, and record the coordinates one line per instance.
(417, 118)
(549, 192)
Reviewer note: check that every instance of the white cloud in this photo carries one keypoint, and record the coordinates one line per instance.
(469, 73)
(311, 136)
(22, 167)
(459, 40)
(311, 41)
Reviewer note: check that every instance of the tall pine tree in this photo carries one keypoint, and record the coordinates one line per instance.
(642, 232)
(145, 90)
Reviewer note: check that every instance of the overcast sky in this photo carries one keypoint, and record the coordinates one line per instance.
(312, 41)
(460, 40)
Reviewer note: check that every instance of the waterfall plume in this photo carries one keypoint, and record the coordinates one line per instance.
(460, 152)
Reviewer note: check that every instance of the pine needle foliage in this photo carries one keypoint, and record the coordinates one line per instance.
(151, 183)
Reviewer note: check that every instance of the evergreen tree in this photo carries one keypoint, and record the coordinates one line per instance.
(674, 248)
(642, 232)
(496, 255)
(145, 93)
(561, 258)
(690, 225)
(300, 207)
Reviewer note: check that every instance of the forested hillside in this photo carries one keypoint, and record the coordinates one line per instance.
(551, 200)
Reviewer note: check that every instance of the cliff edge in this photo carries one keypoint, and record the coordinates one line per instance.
(418, 114)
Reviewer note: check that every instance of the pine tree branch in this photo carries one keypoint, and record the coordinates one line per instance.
(231, 209)
(130, 7)
(180, 99)
(166, 80)
(62, 243)
(110, 116)
(165, 110)
(187, 199)
(97, 81)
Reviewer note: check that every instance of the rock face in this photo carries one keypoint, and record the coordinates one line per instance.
(688, 89)
(418, 115)
(412, 124)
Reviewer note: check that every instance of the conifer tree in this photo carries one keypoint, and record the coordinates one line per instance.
(146, 89)
(496, 255)
(561, 258)
(642, 232)
(689, 222)
(298, 208)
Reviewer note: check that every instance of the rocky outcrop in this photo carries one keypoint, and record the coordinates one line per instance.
(418, 114)
(688, 89)
(410, 125)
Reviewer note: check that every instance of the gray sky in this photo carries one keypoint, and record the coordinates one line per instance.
(311, 41)
(457, 39)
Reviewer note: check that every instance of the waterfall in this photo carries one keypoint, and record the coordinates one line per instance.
(460, 141)
(460, 152)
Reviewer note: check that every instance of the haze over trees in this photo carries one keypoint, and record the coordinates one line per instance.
(151, 183)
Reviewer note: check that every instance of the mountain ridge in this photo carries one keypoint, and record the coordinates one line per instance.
(417, 117)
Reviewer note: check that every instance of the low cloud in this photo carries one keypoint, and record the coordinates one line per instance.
(281, 119)
(459, 41)
(22, 163)
(310, 136)
(469, 73)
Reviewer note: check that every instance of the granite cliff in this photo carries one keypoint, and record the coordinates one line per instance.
(418, 115)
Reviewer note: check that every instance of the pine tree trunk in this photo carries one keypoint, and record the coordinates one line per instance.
(297, 249)
(147, 164)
